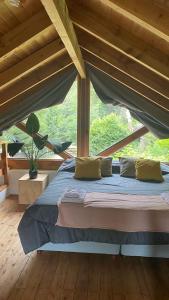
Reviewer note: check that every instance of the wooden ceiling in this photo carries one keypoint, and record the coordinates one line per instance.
(126, 39)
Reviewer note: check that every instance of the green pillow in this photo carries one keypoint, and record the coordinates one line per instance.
(88, 168)
(148, 170)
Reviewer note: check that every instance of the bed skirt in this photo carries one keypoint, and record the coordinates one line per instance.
(158, 251)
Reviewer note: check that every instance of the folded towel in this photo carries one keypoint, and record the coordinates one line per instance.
(73, 196)
(165, 196)
(72, 193)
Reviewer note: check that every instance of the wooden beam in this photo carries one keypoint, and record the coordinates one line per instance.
(58, 13)
(43, 164)
(121, 144)
(4, 163)
(129, 82)
(140, 15)
(22, 127)
(83, 116)
(24, 34)
(32, 62)
(35, 78)
(145, 13)
(120, 39)
(125, 64)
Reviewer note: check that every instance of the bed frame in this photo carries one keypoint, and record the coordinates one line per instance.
(113, 249)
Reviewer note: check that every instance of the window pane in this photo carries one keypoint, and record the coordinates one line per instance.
(109, 124)
(59, 122)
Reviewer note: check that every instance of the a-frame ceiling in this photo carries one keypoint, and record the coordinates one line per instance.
(126, 39)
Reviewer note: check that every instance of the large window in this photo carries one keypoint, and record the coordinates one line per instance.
(109, 124)
(59, 122)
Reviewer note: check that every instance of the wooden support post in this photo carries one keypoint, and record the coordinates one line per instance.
(83, 116)
(4, 160)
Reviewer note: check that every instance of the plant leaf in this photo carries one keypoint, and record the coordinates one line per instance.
(14, 148)
(60, 147)
(32, 124)
(40, 142)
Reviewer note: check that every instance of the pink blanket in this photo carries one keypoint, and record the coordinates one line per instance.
(116, 211)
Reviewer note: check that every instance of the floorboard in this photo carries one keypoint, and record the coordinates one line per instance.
(73, 276)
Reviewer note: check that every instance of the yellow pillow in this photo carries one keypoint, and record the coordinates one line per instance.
(88, 168)
(148, 170)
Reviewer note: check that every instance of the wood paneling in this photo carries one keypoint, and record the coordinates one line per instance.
(32, 62)
(83, 116)
(58, 13)
(120, 39)
(142, 10)
(33, 79)
(73, 276)
(43, 164)
(22, 36)
(152, 81)
(121, 144)
(141, 18)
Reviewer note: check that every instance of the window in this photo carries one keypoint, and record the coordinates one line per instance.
(109, 124)
(59, 122)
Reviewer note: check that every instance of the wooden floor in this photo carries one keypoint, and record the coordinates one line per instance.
(70, 276)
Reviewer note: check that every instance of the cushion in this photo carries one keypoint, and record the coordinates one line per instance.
(148, 170)
(88, 168)
(127, 166)
(106, 166)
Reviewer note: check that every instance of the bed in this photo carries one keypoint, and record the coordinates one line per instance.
(37, 229)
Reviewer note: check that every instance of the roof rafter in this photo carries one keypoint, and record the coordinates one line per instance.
(124, 79)
(141, 16)
(34, 78)
(32, 62)
(58, 13)
(23, 35)
(121, 40)
(125, 64)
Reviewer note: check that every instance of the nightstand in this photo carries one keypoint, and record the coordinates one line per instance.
(30, 189)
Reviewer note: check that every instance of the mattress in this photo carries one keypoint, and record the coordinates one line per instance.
(37, 225)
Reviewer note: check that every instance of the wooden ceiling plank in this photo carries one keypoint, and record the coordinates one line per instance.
(138, 72)
(58, 13)
(34, 78)
(146, 13)
(125, 80)
(121, 40)
(22, 35)
(35, 60)
(126, 10)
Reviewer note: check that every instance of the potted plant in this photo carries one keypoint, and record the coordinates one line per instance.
(32, 150)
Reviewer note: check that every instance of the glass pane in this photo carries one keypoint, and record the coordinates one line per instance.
(59, 122)
(109, 124)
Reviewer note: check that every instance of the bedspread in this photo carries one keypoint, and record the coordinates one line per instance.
(122, 212)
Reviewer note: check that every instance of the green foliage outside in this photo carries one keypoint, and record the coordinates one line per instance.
(108, 124)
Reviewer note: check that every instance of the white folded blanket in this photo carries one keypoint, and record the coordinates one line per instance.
(165, 196)
(73, 196)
